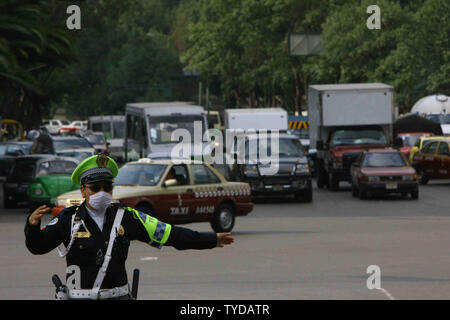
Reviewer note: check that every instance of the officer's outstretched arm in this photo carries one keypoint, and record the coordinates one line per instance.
(41, 241)
(158, 233)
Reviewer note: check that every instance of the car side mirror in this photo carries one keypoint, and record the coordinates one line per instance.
(170, 183)
(415, 149)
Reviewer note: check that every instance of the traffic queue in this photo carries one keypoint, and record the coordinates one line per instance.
(351, 136)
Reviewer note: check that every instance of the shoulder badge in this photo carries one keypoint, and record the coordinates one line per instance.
(102, 160)
(53, 221)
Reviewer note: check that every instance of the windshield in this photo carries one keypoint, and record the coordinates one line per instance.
(65, 122)
(161, 128)
(410, 140)
(95, 138)
(71, 143)
(139, 174)
(356, 137)
(384, 159)
(23, 169)
(79, 155)
(119, 130)
(446, 119)
(434, 117)
(287, 148)
(51, 167)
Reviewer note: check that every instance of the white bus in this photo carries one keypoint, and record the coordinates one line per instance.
(149, 127)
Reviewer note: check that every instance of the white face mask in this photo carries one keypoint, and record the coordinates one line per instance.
(100, 201)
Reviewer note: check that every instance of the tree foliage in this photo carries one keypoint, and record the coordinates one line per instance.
(136, 50)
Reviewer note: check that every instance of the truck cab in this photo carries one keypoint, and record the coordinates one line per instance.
(343, 147)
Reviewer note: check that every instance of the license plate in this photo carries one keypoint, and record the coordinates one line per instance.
(391, 186)
(277, 187)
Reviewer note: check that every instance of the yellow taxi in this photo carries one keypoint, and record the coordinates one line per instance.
(422, 142)
(176, 193)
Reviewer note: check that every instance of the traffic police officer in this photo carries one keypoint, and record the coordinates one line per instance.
(96, 235)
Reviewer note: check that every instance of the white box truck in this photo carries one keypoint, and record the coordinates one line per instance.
(256, 118)
(345, 119)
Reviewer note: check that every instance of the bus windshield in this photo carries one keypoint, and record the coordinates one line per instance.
(161, 128)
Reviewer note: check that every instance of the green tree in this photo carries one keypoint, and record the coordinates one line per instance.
(125, 55)
(242, 46)
(32, 46)
(420, 65)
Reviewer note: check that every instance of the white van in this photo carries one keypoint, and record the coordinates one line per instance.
(113, 127)
(149, 127)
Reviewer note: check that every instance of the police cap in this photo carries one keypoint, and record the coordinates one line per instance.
(95, 168)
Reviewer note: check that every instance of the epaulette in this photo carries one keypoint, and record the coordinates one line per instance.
(70, 210)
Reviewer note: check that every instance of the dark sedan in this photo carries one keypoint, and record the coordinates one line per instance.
(382, 171)
(9, 151)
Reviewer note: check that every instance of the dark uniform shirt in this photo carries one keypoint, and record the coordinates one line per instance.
(87, 251)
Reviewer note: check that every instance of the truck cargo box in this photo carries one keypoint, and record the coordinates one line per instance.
(338, 105)
(256, 118)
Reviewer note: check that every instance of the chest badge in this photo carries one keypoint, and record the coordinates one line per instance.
(121, 231)
(80, 234)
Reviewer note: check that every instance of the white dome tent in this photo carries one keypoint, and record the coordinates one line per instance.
(435, 104)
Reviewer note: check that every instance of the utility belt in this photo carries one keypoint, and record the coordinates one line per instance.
(64, 293)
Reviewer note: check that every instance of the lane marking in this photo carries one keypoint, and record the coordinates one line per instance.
(149, 258)
(387, 293)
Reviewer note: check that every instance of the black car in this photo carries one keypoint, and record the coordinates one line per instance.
(9, 151)
(22, 171)
(48, 144)
(292, 176)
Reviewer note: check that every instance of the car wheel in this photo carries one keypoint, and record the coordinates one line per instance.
(145, 208)
(423, 179)
(223, 219)
(8, 203)
(321, 176)
(361, 194)
(306, 196)
(415, 194)
(354, 190)
(334, 182)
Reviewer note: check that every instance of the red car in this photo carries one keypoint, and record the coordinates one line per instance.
(405, 141)
(382, 171)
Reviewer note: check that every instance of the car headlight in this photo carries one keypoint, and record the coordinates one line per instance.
(251, 170)
(408, 178)
(302, 168)
(62, 202)
(374, 179)
(38, 191)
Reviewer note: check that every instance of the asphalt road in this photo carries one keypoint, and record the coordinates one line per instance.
(283, 250)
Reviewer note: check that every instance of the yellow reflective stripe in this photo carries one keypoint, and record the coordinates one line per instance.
(157, 231)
